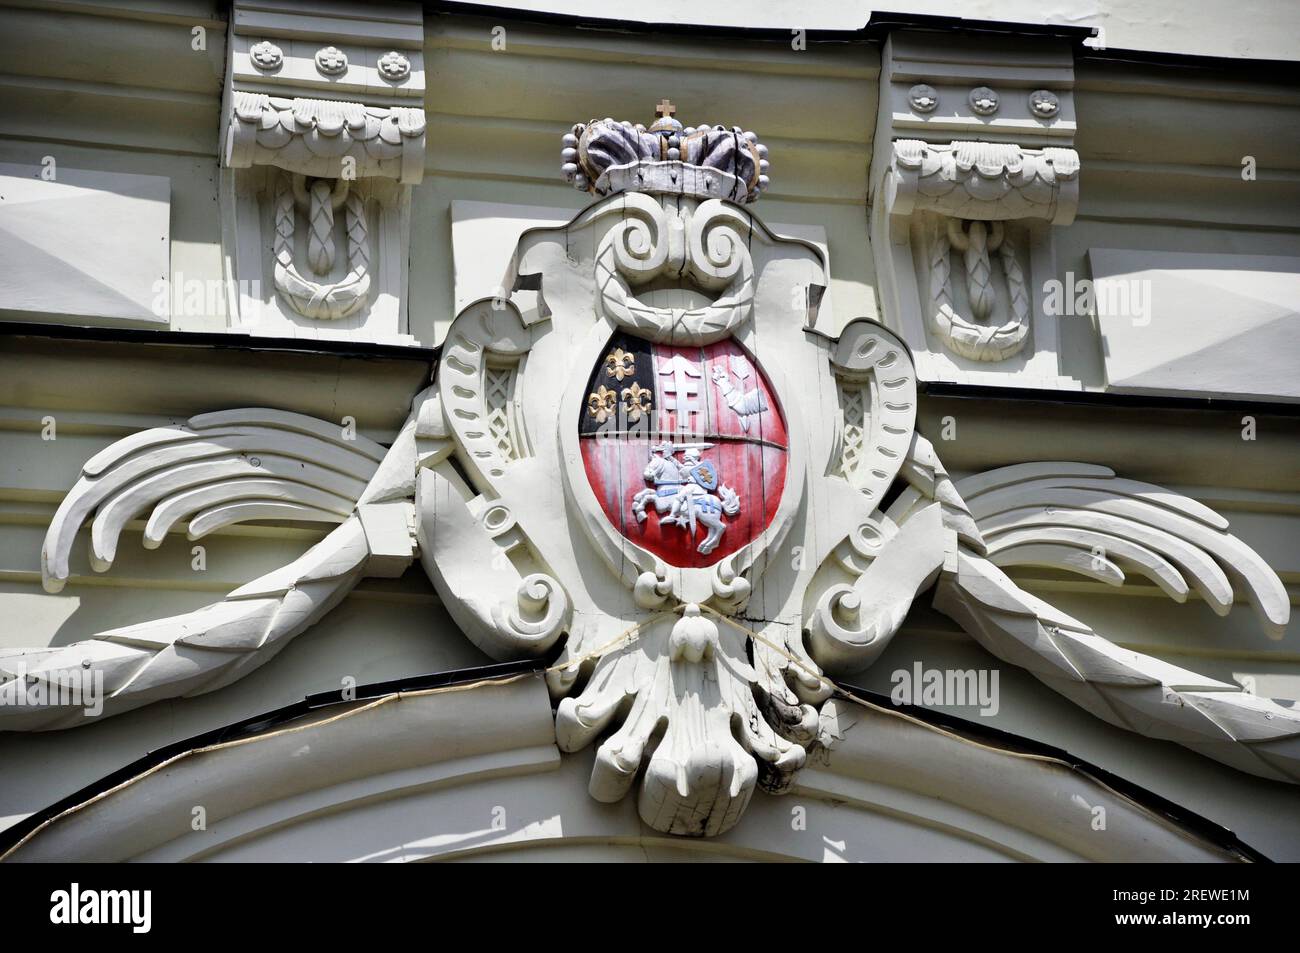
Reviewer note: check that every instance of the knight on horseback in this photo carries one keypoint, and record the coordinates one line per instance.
(684, 490)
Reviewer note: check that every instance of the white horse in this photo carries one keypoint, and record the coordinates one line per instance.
(685, 503)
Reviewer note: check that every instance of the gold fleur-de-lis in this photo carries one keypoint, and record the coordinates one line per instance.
(636, 401)
(620, 363)
(602, 403)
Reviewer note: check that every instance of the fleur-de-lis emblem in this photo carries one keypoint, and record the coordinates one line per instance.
(602, 403)
(636, 401)
(620, 364)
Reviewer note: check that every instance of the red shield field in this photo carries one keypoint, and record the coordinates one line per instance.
(685, 447)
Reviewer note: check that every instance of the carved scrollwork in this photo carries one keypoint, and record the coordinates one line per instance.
(478, 377)
(706, 246)
(730, 589)
(652, 589)
(850, 625)
(473, 549)
(538, 615)
(878, 408)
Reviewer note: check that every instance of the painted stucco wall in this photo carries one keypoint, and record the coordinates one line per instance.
(1259, 29)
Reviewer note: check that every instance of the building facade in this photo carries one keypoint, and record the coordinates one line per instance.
(443, 432)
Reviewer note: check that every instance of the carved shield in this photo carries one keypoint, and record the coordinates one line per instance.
(685, 447)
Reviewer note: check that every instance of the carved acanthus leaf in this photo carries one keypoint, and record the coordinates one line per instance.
(315, 136)
(691, 677)
(986, 180)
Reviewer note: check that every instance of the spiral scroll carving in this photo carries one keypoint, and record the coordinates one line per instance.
(705, 247)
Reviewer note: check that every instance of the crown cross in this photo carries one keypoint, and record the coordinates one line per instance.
(665, 109)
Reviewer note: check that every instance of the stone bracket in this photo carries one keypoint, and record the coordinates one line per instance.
(973, 169)
(324, 136)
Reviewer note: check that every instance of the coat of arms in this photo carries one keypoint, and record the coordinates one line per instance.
(679, 461)
(672, 464)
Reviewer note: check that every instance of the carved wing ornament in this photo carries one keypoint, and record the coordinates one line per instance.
(702, 538)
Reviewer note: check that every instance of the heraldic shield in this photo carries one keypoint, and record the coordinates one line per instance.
(684, 447)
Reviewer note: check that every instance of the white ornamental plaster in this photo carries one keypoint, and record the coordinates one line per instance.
(364, 34)
(484, 235)
(1181, 323)
(525, 515)
(85, 246)
(972, 171)
(319, 157)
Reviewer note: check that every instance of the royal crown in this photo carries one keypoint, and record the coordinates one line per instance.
(706, 161)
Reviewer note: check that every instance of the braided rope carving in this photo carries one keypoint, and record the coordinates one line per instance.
(1081, 518)
(321, 301)
(1120, 686)
(965, 337)
(216, 470)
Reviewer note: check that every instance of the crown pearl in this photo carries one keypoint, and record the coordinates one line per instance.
(751, 136)
(764, 166)
(674, 154)
(570, 169)
(688, 131)
(764, 182)
(569, 141)
(762, 151)
(569, 154)
(580, 181)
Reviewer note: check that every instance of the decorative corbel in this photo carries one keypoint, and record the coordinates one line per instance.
(973, 171)
(322, 143)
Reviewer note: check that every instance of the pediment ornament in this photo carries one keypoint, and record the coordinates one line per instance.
(666, 473)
